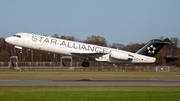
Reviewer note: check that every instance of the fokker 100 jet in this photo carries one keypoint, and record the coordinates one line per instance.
(87, 51)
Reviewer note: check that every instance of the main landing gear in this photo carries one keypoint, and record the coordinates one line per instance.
(85, 64)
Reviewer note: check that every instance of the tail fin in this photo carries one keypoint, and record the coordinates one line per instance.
(152, 47)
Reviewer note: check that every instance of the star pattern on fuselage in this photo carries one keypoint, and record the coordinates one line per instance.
(151, 49)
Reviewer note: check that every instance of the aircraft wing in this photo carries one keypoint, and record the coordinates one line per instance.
(85, 55)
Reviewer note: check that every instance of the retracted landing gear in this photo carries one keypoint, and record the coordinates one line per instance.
(85, 64)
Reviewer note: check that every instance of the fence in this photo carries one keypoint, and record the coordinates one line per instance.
(96, 66)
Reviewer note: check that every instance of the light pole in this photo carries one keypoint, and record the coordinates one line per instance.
(162, 59)
(21, 54)
(40, 59)
(31, 57)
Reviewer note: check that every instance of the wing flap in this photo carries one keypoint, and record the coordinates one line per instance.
(85, 55)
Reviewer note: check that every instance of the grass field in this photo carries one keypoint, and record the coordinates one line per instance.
(89, 93)
(63, 93)
(85, 75)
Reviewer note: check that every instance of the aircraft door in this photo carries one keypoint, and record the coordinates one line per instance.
(26, 39)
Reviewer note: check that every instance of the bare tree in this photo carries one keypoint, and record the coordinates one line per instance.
(96, 40)
(175, 41)
(117, 45)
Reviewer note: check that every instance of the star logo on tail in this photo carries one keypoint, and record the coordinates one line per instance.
(151, 49)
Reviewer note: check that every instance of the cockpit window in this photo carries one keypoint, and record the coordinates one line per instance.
(19, 36)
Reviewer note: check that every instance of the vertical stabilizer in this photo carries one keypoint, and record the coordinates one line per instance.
(152, 47)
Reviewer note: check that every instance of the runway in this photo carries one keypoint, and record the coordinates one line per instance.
(90, 82)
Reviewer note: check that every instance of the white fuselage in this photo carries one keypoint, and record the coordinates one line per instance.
(66, 47)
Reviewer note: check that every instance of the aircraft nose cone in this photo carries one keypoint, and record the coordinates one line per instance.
(7, 40)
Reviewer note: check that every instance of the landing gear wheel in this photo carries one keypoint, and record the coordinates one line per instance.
(85, 64)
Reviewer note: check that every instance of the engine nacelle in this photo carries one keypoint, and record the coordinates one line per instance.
(121, 56)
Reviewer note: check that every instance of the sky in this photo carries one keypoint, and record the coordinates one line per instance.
(118, 21)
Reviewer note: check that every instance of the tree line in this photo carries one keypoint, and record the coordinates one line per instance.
(28, 55)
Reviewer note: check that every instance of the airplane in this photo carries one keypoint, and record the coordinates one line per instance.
(87, 51)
